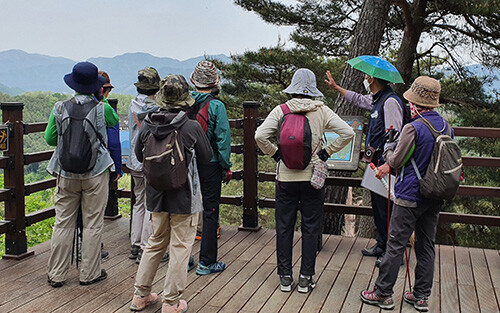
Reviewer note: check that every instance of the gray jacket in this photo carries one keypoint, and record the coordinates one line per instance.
(138, 109)
(187, 199)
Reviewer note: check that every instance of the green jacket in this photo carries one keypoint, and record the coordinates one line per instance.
(51, 131)
(219, 131)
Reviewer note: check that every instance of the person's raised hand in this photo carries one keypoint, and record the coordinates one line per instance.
(330, 81)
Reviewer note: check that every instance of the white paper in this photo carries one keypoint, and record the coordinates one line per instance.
(372, 183)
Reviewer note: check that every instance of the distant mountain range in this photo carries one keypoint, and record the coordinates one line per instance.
(21, 71)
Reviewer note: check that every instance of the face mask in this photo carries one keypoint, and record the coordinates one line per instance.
(413, 110)
(367, 85)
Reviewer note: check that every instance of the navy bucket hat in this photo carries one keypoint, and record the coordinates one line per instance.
(84, 78)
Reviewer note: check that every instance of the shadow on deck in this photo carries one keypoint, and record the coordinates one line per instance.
(466, 279)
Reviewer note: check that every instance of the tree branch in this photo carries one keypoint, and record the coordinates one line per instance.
(467, 33)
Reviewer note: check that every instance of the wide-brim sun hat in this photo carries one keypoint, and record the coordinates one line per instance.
(174, 93)
(84, 78)
(205, 75)
(148, 79)
(377, 67)
(303, 83)
(424, 92)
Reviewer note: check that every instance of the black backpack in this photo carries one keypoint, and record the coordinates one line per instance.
(166, 161)
(79, 139)
(442, 179)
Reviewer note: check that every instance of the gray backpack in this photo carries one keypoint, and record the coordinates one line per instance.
(444, 173)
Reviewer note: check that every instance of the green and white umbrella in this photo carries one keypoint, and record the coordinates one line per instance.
(376, 67)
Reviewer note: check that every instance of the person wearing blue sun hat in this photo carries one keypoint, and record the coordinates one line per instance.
(387, 111)
(81, 163)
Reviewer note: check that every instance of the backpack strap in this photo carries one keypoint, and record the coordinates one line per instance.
(136, 120)
(417, 172)
(284, 107)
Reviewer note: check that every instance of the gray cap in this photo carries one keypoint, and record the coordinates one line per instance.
(303, 83)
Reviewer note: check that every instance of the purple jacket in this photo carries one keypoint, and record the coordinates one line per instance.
(407, 184)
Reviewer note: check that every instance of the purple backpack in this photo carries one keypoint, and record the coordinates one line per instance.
(294, 140)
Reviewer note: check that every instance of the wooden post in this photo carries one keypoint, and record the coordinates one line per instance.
(111, 212)
(16, 244)
(250, 212)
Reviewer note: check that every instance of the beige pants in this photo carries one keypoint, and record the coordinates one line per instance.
(170, 231)
(92, 195)
(141, 218)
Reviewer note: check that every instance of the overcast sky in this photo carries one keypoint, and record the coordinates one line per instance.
(181, 29)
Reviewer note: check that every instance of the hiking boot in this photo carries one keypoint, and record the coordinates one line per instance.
(373, 251)
(371, 297)
(306, 284)
(165, 257)
(420, 304)
(286, 283)
(55, 284)
(139, 303)
(180, 307)
(139, 256)
(134, 251)
(104, 253)
(190, 263)
(216, 267)
(198, 235)
(103, 276)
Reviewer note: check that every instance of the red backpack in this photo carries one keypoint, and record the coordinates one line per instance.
(295, 140)
(200, 112)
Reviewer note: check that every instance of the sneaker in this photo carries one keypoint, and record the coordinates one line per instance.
(103, 276)
(286, 283)
(375, 250)
(180, 307)
(104, 254)
(372, 298)
(216, 267)
(420, 304)
(55, 284)
(139, 256)
(134, 251)
(190, 263)
(198, 235)
(218, 231)
(165, 257)
(139, 303)
(306, 284)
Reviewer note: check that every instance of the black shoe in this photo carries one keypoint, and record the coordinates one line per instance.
(373, 251)
(134, 251)
(55, 284)
(104, 254)
(306, 284)
(165, 257)
(103, 276)
(139, 256)
(286, 283)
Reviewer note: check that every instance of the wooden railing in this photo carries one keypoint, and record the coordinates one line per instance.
(15, 190)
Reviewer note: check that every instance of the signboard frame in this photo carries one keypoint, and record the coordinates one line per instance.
(4, 138)
(352, 164)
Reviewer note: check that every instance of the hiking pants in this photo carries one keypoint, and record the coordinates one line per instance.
(141, 218)
(423, 220)
(173, 232)
(290, 198)
(380, 216)
(92, 195)
(211, 185)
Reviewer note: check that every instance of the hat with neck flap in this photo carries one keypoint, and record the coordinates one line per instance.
(174, 93)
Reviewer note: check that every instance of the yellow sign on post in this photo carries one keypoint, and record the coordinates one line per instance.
(4, 138)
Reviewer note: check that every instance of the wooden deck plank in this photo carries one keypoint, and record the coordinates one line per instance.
(435, 298)
(340, 287)
(121, 301)
(493, 262)
(465, 279)
(449, 287)
(483, 283)
(402, 284)
(35, 283)
(295, 303)
(271, 284)
(325, 280)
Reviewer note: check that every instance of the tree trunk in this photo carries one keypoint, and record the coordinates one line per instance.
(408, 48)
(367, 37)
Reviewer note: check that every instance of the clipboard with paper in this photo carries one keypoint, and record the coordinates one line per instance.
(372, 183)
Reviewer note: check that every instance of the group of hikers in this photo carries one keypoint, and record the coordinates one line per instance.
(180, 156)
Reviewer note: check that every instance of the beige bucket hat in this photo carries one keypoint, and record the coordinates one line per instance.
(424, 92)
